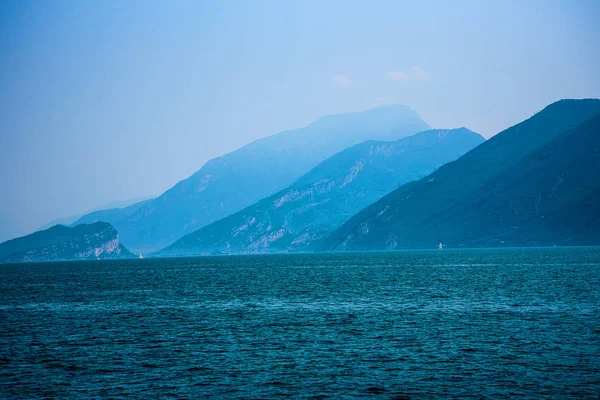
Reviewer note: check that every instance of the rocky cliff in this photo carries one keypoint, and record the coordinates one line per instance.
(83, 242)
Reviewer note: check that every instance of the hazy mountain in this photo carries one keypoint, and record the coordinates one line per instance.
(110, 215)
(94, 241)
(60, 221)
(300, 216)
(536, 183)
(229, 183)
(121, 204)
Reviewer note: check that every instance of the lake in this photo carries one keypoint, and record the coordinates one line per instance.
(416, 324)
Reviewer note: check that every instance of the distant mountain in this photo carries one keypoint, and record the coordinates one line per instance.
(300, 216)
(229, 183)
(94, 241)
(537, 183)
(71, 220)
(111, 215)
(60, 221)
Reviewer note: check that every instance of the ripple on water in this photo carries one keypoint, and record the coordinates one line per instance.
(495, 323)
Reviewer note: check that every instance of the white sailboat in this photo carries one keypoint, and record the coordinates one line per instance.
(141, 256)
(441, 246)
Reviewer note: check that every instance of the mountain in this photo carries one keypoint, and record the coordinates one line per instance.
(229, 183)
(536, 183)
(60, 221)
(88, 241)
(72, 220)
(111, 215)
(300, 216)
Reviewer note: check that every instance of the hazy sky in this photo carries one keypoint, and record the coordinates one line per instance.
(108, 100)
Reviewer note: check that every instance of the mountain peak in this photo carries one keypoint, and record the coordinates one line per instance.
(302, 215)
(568, 106)
(227, 184)
(391, 117)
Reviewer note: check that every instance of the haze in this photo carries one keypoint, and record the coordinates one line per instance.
(105, 101)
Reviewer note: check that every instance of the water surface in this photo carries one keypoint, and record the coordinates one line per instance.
(470, 323)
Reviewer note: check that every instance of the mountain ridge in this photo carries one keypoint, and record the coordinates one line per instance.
(297, 217)
(69, 220)
(228, 183)
(111, 215)
(407, 217)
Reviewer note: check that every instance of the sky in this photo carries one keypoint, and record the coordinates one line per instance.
(103, 101)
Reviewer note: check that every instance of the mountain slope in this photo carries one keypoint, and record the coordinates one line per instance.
(70, 220)
(110, 215)
(94, 241)
(229, 183)
(300, 216)
(505, 192)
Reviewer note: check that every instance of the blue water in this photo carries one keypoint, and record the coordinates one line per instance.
(468, 324)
